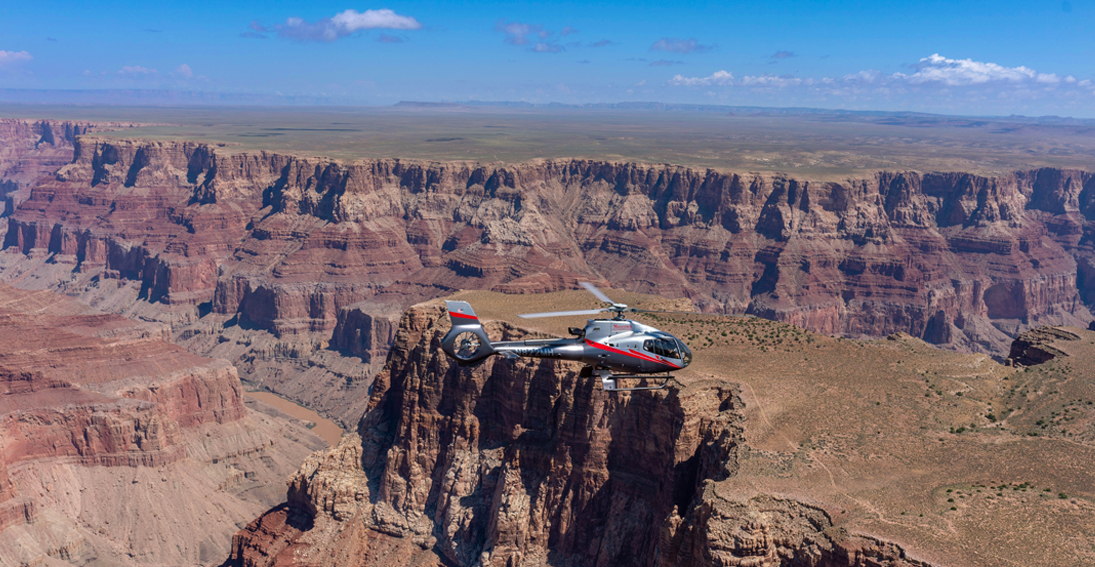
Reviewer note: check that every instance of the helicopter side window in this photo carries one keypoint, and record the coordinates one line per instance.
(662, 347)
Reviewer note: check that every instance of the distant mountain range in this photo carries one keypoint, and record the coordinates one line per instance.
(165, 97)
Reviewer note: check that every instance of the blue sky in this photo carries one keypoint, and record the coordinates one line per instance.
(954, 57)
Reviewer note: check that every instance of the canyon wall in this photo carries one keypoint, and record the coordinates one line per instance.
(314, 258)
(531, 463)
(119, 448)
(32, 149)
(295, 269)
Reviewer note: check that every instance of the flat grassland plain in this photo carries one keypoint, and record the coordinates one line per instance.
(815, 145)
(959, 459)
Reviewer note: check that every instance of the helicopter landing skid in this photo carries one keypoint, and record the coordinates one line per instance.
(609, 381)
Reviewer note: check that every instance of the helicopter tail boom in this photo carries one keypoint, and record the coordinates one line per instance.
(467, 342)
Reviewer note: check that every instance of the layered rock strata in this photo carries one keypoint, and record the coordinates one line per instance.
(518, 463)
(32, 149)
(120, 448)
(309, 255)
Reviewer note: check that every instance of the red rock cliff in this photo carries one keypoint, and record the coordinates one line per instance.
(288, 243)
(32, 149)
(520, 463)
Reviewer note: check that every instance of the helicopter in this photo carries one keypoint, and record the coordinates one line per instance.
(615, 349)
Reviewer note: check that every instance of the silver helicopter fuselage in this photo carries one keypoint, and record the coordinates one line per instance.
(607, 345)
(620, 346)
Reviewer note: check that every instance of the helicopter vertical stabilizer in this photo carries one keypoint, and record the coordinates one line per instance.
(467, 342)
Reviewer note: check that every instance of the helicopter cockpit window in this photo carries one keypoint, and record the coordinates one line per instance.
(686, 353)
(662, 347)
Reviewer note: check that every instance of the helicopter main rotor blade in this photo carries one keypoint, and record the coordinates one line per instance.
(561, 313)
(596, 292)
(678, 312)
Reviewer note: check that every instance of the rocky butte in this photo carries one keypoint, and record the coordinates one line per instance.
(306, 259)
(790, 459)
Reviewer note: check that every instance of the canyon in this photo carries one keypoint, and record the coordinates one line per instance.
(298, 274)
(286, 264)
(115, 444)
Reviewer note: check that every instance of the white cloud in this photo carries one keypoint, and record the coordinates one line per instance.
(936, 83)
(342, 24)
(965, 72)
(10, 57)
(136, 72)
(371, 19)
(716, 78)
(184, 71)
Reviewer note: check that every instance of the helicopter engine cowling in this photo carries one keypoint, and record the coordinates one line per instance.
(466, 342)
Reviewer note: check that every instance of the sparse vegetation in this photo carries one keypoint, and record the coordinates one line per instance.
(846, 398)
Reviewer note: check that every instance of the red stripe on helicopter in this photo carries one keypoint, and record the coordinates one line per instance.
(632, 354)
(462, 316)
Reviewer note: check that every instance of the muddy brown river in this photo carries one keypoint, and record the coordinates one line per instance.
(325, 428)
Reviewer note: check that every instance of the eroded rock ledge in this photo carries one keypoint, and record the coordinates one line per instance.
(1039, 345)
(520, 463)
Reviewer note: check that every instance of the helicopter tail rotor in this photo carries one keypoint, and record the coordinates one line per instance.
(467, 342)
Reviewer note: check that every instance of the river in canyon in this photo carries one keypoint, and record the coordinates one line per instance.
(328, 430)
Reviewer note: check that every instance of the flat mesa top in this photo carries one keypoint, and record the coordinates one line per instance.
(821, 145)
(941, 452)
